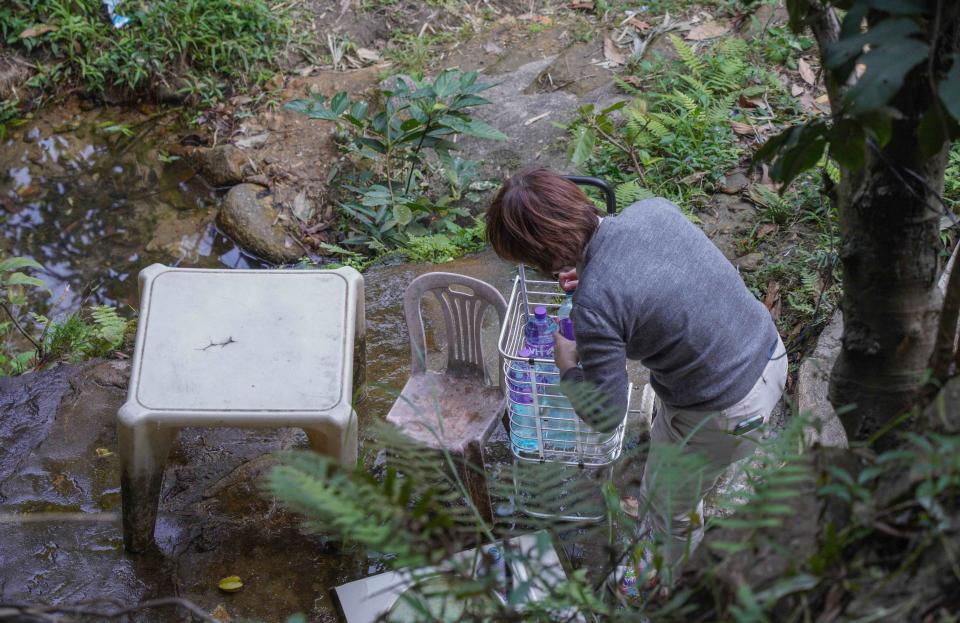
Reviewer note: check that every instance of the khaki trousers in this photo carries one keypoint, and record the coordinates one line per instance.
(689, 450)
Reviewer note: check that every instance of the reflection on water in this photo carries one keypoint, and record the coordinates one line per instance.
(89, 198)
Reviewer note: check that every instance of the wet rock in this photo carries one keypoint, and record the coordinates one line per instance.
(224, 165)
(248, 216)
(813, 382)
(749, 262)
(29, 405)
(528, 118)
(734, 182)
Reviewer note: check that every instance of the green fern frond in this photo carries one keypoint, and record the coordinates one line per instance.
(693, 63)
(631, 192)
(109, 326)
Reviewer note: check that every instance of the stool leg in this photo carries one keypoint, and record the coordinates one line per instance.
(474, 476)
(340, 443)
(143, 454)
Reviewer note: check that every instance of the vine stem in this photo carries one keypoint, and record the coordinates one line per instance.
(623, 148)
(20, 329)
(416, 153)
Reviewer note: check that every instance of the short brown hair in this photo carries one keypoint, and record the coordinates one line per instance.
(541, 218)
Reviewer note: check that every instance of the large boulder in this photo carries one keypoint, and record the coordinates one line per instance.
(249, 217)
(222, 166)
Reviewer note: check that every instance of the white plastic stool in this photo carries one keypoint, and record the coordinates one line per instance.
(243, 348)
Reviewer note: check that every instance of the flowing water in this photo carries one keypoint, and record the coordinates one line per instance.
(87, 195)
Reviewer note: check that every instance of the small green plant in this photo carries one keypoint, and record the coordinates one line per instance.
(677, 140)
(31, 341)
(386, 203)
(200, 49)
(9, 116)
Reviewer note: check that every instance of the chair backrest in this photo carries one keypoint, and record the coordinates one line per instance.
(462, 314)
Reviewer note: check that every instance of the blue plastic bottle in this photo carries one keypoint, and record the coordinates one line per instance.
(523, 424)
(563, 316)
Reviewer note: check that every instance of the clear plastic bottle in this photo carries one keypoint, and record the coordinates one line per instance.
(539, 333)
(523, 423)
(563, 316)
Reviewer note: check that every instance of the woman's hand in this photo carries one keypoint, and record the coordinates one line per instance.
(568, 279)
(564, 352)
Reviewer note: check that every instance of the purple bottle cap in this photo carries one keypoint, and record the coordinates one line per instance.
(526, 352)
(540, 312)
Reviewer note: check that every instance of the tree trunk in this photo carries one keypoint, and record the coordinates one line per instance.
(889, 223)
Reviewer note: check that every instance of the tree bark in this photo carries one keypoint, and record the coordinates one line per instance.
(889, 223)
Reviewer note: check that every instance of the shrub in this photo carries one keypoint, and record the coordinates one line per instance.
(200, 50)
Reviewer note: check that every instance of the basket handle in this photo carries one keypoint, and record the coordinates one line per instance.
(596, 182)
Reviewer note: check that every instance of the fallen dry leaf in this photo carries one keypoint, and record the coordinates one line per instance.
(37, 31)
(806, 72)
(772, 300)
(752, 102)
(823, 99)
(707, 30)
(638, 23)
(797, 90)
(220, 613)
(630, 506)
(743, 129)
(583, 5)
(766, 229)
(367, 55)
(492, 48)
(632, 81)
(103, 452)
(230, 584)
(612, 53)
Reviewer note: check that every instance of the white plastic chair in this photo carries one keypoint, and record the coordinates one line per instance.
(241, 348)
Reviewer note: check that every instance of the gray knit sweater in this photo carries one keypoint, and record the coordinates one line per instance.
(654, 288)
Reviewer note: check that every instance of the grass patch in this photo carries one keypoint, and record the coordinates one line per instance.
(201, 51)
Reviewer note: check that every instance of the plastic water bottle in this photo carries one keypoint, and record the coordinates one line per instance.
(563, 316)
(539, 333)
(118, 21)
(561, 433)
(523, 423)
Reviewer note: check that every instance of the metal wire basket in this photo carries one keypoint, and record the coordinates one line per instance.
(554, 432)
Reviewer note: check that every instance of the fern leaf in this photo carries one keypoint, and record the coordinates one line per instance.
(631, 192)
(109, 326)
(693, 63)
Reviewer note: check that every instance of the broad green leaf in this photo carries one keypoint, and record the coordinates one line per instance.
(887, 66)
(886, 33)
(950, 88)
(402, 214)
(466, 101)
(472, 127)
(373, 144)
(467, 78)
(16, 263)
(339, 102)
(22, 279)
(358, 110)
(848, 144)
(446, 83)
(932, 130)
(582, 146)
(799, 150)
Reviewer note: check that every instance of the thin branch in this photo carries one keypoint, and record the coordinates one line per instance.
(20, 329)
(945, 344)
